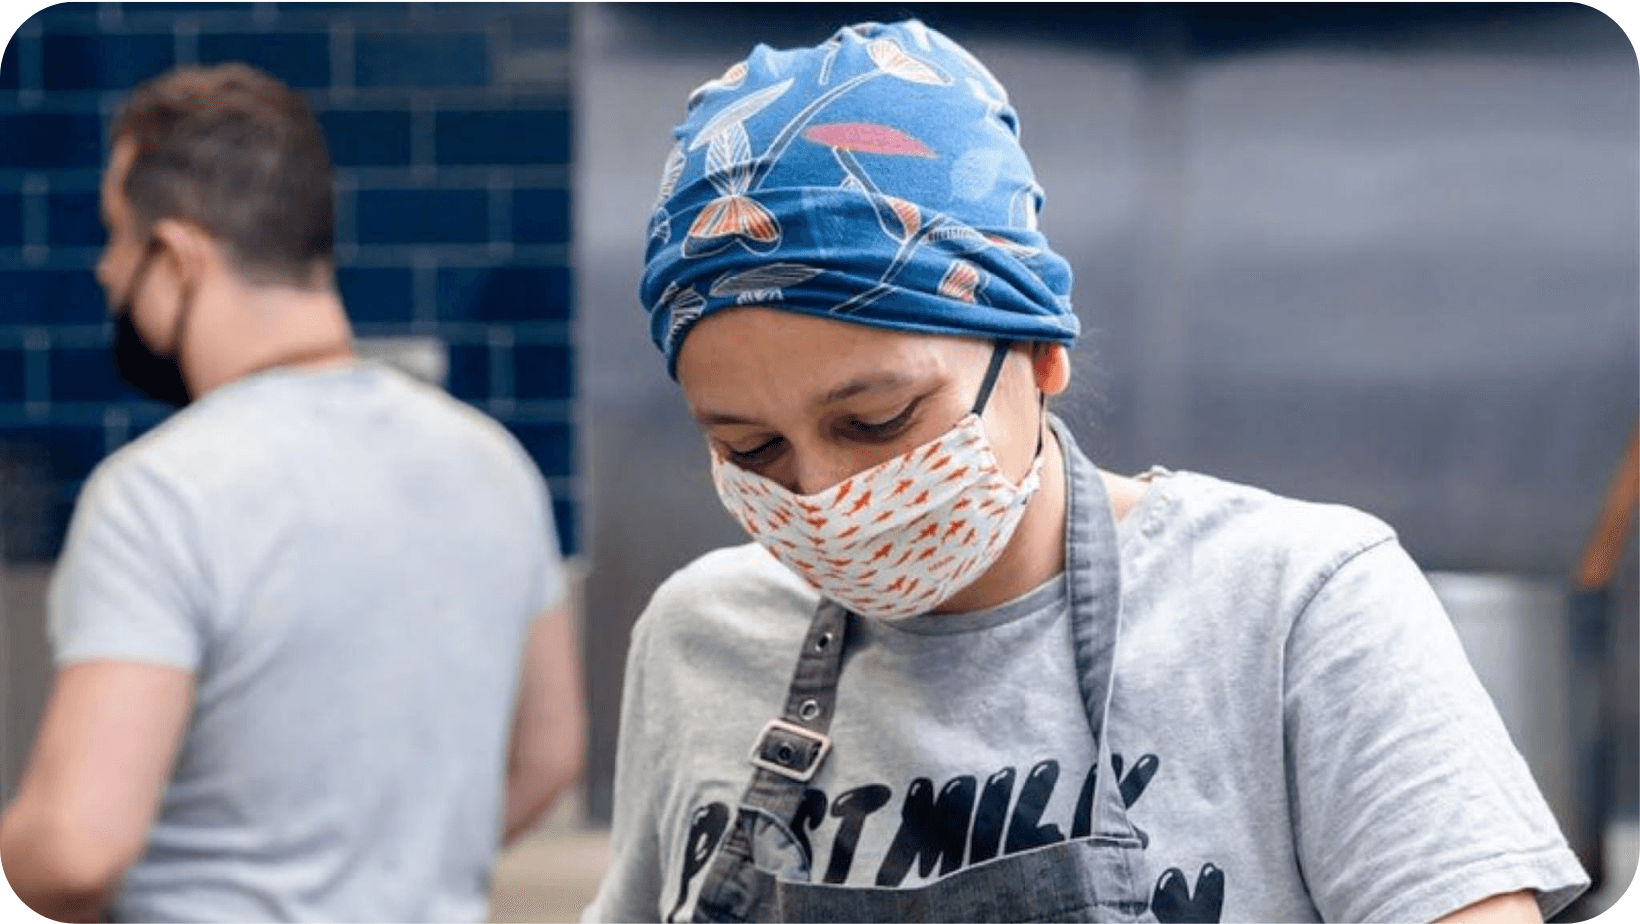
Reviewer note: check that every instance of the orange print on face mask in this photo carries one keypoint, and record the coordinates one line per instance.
(944, 513)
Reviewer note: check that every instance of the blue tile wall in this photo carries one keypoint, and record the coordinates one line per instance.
(70, 447)
(11, 219)
(525, 136)
(85, 374)
(72, 220)
(434, 60)
(423, 216)
(563, 514)
(543, 372)
(453, 215)
(550, 444)
(367, 139)
(301, 60)
(8, 67)
(377, 295)
(541, 216)
(505, 293)
(50, 297)
(12, 375)
(469, 376)
(102, 62)
(50, 140)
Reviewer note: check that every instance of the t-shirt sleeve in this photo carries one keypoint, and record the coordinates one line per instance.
(1409, 799)
(631, 887)
(128, 584)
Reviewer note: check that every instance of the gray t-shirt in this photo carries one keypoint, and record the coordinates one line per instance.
(348, 561)
(1294, 726)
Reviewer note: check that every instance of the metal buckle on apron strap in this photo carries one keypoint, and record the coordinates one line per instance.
(790, 750)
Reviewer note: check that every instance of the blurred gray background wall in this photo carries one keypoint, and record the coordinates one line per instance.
(1384, 256)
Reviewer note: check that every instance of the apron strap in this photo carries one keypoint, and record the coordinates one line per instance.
(791, 748)
(786, 756)
(1093, 573)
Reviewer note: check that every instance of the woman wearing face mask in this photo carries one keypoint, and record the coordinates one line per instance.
(962, 674)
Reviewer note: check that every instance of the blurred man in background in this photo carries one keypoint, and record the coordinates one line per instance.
(314, 655)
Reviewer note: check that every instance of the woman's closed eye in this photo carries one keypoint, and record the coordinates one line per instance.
(757, 455)
(887, 429)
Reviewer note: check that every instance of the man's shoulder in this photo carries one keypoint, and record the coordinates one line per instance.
(267, 422)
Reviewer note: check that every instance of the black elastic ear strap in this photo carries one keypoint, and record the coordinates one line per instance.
(991, 372)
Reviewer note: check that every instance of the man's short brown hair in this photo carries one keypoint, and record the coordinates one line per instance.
(235, 151)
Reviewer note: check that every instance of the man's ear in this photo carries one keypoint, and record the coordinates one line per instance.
(191, 251)
(1051, 364)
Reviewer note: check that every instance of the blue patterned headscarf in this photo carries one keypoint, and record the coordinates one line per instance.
(876, 178)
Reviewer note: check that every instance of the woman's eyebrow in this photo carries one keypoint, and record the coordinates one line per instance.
(715, 419)
(874, 382)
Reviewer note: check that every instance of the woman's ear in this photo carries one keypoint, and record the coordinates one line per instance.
(1051, 364)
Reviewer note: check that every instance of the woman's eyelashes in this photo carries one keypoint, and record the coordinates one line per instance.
(760, 454)
(851, 428)
(877, 432)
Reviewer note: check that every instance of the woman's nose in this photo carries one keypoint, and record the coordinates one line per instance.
(816, 469)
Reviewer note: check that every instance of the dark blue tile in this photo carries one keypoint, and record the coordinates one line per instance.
(367, 139)
(12, 381)
(389, 11)
(102, 62)
(28, 495)
(144, 6)
(422, 216)
(299, 59)
(376, 294)
(44, 140)
(11, 219)
(147, 417)
(550, 445)
(69, 452)
(87, 374)
(434, 59)
(541, 216)
(469, 377)
(65, 15)
(512, 136)
(72, 220)
(563, 516)
(44, 468)
(10, 75)
(504, 293)
(543, 372)
(51, 297)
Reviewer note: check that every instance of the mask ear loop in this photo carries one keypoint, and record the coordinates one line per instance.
(991, 372)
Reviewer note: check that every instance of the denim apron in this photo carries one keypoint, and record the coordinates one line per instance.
(762, 872)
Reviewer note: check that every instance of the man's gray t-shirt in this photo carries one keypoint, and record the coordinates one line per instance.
(1294, 727)
(348, 561)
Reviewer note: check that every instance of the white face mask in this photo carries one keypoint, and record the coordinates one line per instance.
(901, 537)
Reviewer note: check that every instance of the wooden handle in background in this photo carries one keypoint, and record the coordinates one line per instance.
(1605, 549)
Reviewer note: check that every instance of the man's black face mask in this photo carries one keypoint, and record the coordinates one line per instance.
(158, 377)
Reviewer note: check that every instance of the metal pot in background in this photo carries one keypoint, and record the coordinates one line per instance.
(1542, 649)
(1515, 630)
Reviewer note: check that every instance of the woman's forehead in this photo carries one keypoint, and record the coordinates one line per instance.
(807, 354)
